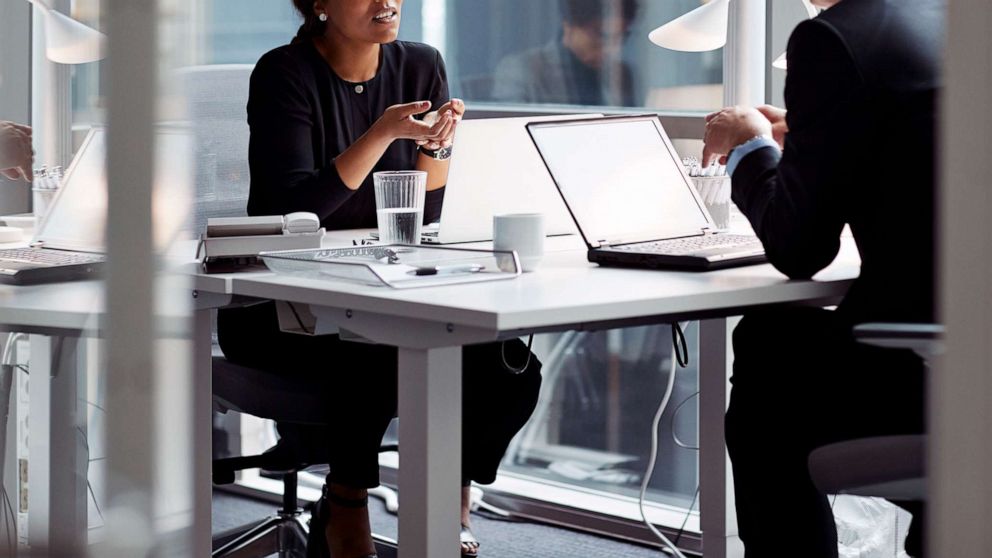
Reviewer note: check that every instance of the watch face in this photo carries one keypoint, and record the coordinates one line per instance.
(443, 154)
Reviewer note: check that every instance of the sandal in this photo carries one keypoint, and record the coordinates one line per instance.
(467, 538)
(319, 514)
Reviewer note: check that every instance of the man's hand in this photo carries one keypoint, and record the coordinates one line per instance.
(730, 127)
(776, 116)
(16, 155)
(456, 109)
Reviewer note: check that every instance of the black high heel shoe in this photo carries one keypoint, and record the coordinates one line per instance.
(320, 513)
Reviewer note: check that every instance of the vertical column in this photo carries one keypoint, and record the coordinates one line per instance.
(57, 456)
(717, 515)
(132, 64)
(51, 110)
(745, 57)
(430, 409)
(961, 387)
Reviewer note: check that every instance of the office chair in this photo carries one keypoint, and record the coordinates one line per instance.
(890, 467)
(299, 409)
(219, 125)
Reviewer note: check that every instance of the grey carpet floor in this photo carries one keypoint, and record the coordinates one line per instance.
(499, 538)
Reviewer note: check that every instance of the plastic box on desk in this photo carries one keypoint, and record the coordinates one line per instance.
(397, 265)
(227, 254)
(226, 246)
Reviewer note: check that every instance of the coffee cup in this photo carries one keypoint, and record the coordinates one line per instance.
(522, 233)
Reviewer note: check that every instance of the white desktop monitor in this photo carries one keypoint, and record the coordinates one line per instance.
(77, 217)
(621, 179)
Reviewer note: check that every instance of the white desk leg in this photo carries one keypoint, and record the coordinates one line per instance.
(57, 459)
(718, 516)
(202, 413)
(430, 408)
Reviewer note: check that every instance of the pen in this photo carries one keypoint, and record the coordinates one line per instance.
(444, 269)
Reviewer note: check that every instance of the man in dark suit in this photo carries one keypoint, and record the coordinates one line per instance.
(859, 150)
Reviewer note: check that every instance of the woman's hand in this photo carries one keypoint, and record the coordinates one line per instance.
(16, 155)
(398, 122)
(456, 107)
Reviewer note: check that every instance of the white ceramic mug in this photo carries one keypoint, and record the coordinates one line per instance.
(522, 232)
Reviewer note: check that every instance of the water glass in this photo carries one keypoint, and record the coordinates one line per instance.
(715, 192)
(399, 205)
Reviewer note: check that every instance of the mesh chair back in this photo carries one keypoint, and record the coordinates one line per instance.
(217, 97)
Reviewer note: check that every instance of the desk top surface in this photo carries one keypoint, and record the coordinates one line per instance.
(565, 289)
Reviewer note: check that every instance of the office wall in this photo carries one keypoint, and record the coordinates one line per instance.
(15, 89)
(961, 415)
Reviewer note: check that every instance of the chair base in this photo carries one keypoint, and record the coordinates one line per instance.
(284, 535)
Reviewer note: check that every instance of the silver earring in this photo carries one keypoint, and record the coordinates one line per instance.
(322, 17)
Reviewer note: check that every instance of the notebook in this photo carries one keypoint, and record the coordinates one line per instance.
(630, 197)
(69, 242)
(494, 169)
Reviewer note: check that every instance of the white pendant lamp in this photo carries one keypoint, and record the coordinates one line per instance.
(702, 29)
(812, 11)
(67, 41)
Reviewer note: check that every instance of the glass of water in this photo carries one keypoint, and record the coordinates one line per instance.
(399, 205)
(715, 191)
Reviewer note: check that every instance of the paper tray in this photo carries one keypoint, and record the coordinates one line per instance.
(397, 265)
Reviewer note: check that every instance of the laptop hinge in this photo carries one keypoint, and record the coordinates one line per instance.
(37, 244)
(603, 244)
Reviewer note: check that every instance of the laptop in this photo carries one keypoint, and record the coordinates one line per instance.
(630, 197)
(494, 169)
(69, 243)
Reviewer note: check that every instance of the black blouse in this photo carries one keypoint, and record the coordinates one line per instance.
(302, 116)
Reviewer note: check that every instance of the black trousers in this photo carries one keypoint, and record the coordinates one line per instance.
(360, 382)
(801, 381)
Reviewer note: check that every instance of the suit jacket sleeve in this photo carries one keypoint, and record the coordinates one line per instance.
(796, 201)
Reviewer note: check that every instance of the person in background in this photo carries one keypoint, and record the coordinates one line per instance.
(16, 154)
(346, 99)
(858, 149)
(582, 66)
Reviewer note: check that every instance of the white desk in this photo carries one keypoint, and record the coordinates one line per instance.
(429, 325)
(58, 316)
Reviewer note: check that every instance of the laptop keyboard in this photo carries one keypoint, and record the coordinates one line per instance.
(49, 257)
(693, 244)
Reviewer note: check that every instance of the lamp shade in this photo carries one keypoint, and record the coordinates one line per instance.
(781, 63)
(69, 42)
(704, 28)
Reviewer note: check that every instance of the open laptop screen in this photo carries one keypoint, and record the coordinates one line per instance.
(621, 179)
(77, 218)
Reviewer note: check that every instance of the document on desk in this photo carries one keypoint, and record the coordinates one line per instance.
(397, 266)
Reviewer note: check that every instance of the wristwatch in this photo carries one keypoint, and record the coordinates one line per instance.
(442, 154)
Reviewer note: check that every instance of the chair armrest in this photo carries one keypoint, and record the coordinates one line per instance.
(927, 340)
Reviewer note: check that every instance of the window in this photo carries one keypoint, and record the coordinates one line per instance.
(87, 94)
(566, 52)
(575, 52)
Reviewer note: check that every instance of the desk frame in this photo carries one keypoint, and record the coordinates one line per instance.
(429, 386)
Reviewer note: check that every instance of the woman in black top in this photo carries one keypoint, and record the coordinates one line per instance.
(343, 100)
